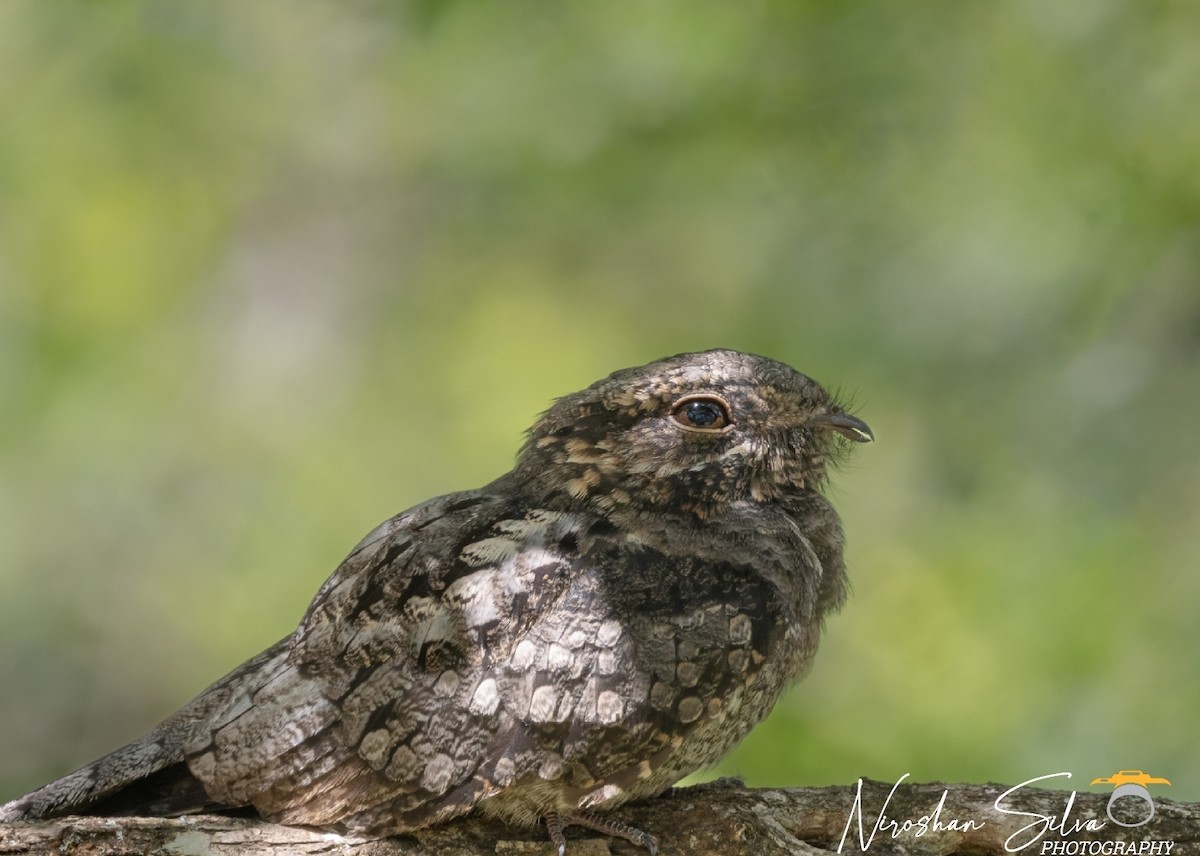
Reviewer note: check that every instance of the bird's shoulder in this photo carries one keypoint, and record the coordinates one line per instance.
(468, 564)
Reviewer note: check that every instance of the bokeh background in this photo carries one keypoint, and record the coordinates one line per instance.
(271, 272)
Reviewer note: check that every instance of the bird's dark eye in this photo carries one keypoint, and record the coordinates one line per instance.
(704, 412)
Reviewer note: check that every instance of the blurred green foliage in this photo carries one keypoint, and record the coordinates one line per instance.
(271, 272)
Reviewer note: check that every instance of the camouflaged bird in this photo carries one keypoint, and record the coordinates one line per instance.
(613, 614)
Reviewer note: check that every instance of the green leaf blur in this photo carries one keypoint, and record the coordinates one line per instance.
(271, 272)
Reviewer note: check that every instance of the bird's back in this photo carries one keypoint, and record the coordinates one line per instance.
(473, 651)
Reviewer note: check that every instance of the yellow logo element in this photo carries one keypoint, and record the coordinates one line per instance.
(1130, 777)
(1130, 783)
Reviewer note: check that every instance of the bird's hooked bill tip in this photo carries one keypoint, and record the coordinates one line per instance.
(850, 427)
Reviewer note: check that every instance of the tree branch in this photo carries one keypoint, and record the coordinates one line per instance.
(720, 817)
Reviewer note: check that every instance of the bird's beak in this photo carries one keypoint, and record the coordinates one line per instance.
(850, 427)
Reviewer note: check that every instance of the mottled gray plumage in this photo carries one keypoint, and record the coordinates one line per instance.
(616, 612)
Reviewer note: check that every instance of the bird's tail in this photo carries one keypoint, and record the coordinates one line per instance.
(148, 777)
(130, 780)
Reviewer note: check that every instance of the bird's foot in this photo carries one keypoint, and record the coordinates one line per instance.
(556, 822)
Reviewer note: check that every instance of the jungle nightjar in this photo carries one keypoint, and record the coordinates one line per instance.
(613, 614)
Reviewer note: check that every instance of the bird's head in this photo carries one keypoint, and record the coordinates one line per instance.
(692, 432)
